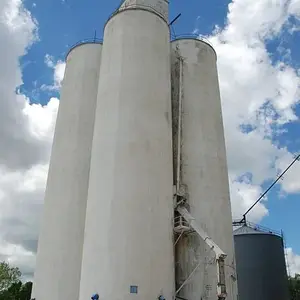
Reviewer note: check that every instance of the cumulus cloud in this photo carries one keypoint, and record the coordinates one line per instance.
(58, 72)
(293, 261)
(17, 33)
(259, 96)
(290, 183)
(294, 8)
(243, 194)
(26, 136)
(17, 256)
(42, 120)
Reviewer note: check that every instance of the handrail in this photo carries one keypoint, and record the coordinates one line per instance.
(85, 41)
(180, 220)
(137, 6)
(259, 228)
(264, 229)
(122, 1)
(200, 37)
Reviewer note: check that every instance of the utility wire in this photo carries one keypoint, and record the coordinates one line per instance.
(297, 158)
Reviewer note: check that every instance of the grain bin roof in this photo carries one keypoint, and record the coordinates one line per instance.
(249, 230)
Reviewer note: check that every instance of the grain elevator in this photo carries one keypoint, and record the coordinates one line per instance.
(137, 201)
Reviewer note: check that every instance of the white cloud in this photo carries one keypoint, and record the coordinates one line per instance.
(294, 8)
(58, 72)
(293, 261)
(42, 119)
(290, 182)
(21, 203)
(26, 136)
(17, 33)
(258, 97)
(16, 255)
(251, 21)
(49, 61)
(243, 194)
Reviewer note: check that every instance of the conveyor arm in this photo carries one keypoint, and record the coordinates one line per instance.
(220, 255)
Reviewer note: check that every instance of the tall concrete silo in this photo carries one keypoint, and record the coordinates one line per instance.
(260, 263)
(201, 175)
(128, 246)
(59, 255)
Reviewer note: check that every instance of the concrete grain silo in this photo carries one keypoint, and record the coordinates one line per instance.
(260, 263)
(59, 255)
(138, 138)
(200, 175)
(128, 245)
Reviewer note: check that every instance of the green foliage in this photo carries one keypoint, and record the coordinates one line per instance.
(294, 286)
(11, 288)
(17, 291)
(8, 276)
(25, 292)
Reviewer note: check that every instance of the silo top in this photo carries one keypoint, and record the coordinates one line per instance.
(93, 41)
(186, 38)
(250, 230)
(160, 7)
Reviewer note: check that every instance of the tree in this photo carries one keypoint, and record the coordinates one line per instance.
(12, 293)
(25, 292)
(17, 291)
(11, 287)
(8, 276)
(294, 287)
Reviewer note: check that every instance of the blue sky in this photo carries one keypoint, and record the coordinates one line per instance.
(63, 23)
(258, 59)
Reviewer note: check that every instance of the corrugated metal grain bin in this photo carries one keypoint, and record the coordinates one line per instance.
(260, 263)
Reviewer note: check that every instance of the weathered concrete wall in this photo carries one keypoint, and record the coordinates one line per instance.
(129, 229)
(59, 256)
(204, 174)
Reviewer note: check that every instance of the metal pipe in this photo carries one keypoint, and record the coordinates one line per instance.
(175, 19)
(179, 133)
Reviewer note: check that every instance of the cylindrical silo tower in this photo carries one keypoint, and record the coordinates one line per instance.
(260, 264)
(128, 245)
(59, 255)
(200, 175)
